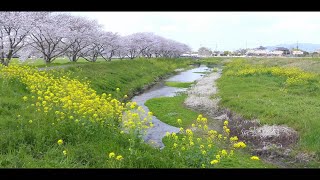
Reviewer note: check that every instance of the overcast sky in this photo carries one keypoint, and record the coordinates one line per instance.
(221, 30)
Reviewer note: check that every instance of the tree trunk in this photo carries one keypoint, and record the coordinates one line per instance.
(74, 58)
(47, 59)
(2, 61)
(6, 62)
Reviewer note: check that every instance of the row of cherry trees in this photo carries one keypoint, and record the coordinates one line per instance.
(50, 35)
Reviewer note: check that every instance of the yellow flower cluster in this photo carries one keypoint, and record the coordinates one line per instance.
(240, 145)
(255, 158)
(113, 155)
(295, 76)
(199, 144)
(135, 120)
(73, 100)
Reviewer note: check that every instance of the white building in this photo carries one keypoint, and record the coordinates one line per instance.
(297, 52)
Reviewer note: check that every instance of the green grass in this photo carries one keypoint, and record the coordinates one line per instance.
(34, 145)
(212, 61)
(130, 76)
(307, 64)
(169, 109)
(259, 96)
(202, 72)
(56, 62)
(178, 84)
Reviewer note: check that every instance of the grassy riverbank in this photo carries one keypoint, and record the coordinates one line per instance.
(276, 92)
(30, 137)
(65, 118)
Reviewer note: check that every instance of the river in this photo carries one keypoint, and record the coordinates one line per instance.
(155, 134)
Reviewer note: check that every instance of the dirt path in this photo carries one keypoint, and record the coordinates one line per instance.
(53, 67)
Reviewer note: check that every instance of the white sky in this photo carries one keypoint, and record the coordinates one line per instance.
(224, 30)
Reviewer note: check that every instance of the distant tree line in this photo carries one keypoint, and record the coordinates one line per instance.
(50, 35)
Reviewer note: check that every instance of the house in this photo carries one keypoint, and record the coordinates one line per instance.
(217, 53)
(276, 53)
(285, 51)
(257, 52)
(297, 53)
(191, 55)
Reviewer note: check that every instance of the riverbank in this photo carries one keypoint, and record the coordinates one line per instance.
(35, 135)
(169, 109)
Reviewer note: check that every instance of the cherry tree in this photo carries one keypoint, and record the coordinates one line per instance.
(80, 34)
(130, 46)
(121, 51)
(14, 30)
(49, 36)
(92, 51)
(109, 43)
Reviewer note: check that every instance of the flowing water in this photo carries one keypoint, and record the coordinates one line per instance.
(155, 134)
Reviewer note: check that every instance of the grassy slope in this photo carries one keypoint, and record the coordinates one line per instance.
(130, 75)
(260, 97)
(25, 144)
(56, 62)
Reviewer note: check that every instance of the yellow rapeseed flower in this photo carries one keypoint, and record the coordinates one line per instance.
(225, 123)
(118, 89)
(60, 141)
(228, 131)
(189, 132)
(240, 145)
(112, 154)
(214, 161)
(224, 152)
(119, 158)
(64, 152)
(255, 158)
(234, 138)
(175, 145)
(30, 121)
(25, 98)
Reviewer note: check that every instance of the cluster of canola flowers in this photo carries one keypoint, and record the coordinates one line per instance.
(294, 75)
(209, 147)
(73, 100)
